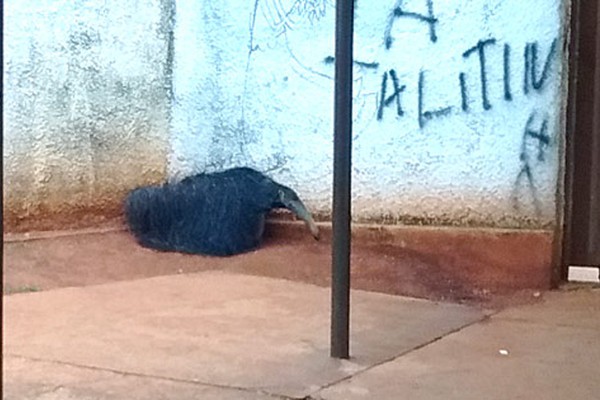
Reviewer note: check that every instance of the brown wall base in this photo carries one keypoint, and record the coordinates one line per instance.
(67, 218)
(486, 260)
(455, 264)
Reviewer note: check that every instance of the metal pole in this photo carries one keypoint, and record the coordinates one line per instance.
(340, 284)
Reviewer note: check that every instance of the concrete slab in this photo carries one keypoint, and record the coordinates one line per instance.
(573, 308)
(217, 329)
(43, 380)
(551, 351)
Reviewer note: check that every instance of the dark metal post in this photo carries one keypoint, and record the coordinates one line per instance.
(582, 182)
(340, 287)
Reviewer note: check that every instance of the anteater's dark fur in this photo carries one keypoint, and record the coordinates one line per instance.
(219, 214)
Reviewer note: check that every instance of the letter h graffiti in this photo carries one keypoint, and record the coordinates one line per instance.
(399, 12)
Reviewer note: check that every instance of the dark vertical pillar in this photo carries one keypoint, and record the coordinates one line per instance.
(582, 183)
(340, 288)
(594, 225)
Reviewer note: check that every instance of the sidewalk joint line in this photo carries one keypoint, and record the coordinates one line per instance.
(485, 318)
(152, 376)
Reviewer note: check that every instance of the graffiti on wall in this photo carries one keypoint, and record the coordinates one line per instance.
(535, 143)
(400, 96)
(533, 82)
(398, 12)
(283, 16)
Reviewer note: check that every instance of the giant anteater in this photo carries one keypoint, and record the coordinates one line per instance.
(219, 214)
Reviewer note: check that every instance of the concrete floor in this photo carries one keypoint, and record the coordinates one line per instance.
(545, 351)
(96, 317)
(214, 329)
(224, 335)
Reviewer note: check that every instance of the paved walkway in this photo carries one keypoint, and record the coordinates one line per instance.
(222, 335)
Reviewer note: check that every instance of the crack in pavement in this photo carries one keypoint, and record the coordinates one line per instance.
(195, 382)
(311, 396)
(315, 394)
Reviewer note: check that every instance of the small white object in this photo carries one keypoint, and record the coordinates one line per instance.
(503, 352)
(584, 274)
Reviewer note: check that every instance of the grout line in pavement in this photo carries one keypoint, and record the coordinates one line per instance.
(159, 377)
(485, 318)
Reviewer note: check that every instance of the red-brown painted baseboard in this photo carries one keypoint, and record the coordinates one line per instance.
(496, 260)
(455, 264)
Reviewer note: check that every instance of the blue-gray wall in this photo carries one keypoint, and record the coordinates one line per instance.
(459, 105)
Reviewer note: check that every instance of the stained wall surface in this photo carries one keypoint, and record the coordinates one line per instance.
(458, 105)
(86, 90)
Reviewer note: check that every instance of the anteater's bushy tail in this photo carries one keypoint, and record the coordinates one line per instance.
(149, 215)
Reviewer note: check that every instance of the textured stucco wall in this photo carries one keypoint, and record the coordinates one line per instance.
(458, 116)
(86, 103)
(458, 104)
